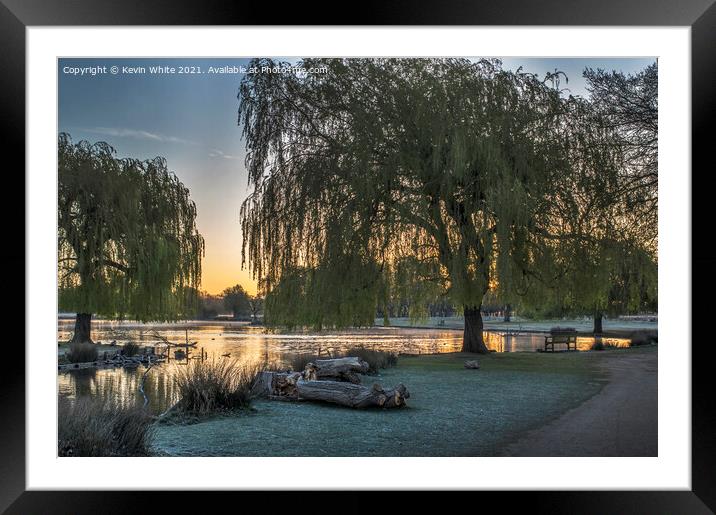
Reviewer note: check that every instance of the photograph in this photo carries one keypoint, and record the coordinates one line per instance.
(300, 256)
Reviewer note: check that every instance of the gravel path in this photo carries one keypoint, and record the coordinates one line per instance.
(621, 420)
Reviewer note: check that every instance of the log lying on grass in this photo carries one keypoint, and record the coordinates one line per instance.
(339, 369)
(352, 395)
(292, 386)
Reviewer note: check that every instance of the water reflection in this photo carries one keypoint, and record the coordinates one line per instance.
(122, 385)
(238, 341)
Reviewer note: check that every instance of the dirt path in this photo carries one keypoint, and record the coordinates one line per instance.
(621, 420)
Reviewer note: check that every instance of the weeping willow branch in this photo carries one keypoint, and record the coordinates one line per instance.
(420, 178)
(129, 229)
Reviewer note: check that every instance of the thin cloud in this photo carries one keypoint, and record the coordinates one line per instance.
(137, 134)
(215, 153)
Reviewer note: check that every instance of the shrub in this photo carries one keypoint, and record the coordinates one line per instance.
(82, 352)
(376, 359)
(130, 349)
(91, 426)
(207, 387)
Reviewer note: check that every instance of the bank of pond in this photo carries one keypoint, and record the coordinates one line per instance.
(449, 410)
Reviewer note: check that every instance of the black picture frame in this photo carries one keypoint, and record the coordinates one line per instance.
(700, 15)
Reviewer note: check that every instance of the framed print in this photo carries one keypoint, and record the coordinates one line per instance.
(427, 250)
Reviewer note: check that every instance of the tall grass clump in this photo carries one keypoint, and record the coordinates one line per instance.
(376, 359)
(208, 387)
(82, 352)
(130, 349)
(92, 426)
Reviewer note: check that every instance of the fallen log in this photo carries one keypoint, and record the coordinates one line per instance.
(340, 369)
(351, 395)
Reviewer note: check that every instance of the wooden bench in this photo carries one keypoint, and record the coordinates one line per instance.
(566, 337)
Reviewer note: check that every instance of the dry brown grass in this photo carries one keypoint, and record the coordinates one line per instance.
(130, 349)
(376, 359)
(91, 426)
(208, 387)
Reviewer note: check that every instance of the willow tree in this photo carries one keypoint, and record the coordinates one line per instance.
(608, 252)
(628, 104)
(127, 239)
(385, 174)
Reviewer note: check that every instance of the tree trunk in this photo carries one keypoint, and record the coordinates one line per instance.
(82, 328)
(598, 323)
(472, 340)
(352, 395)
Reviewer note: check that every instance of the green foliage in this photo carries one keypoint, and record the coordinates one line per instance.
(237, 300)
(410, 181)
(326, 296)
(256, 305)
(127, 239)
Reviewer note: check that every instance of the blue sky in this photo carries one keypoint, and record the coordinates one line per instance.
(191, 120)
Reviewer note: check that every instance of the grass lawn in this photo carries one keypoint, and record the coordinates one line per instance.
(451, 411)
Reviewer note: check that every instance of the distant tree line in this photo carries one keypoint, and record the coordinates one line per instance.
(233, 301)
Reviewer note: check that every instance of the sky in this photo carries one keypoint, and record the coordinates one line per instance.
(191, 120)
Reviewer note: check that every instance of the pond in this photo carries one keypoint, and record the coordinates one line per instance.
(243, 342)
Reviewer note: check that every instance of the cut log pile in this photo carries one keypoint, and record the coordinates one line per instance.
(337, 381)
